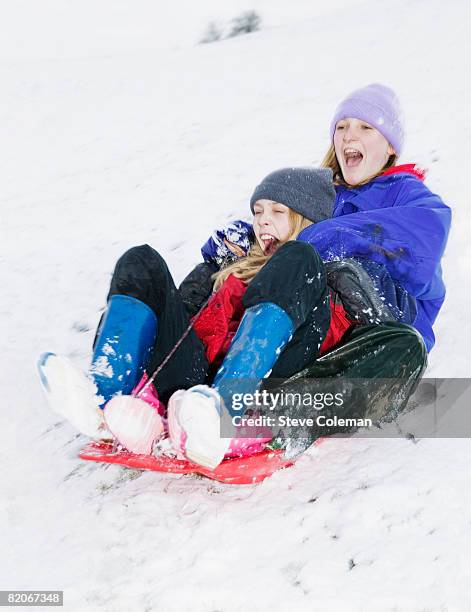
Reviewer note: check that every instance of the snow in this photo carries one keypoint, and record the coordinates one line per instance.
(118, 129)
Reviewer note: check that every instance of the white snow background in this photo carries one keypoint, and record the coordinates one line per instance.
(117, 129)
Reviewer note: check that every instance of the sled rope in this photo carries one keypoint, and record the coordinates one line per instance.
(172, 352)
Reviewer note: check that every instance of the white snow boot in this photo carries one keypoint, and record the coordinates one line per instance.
(194, 422)
(72, 394)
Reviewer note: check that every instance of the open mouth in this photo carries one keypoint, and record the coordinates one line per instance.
(353, 157)
(270, 243)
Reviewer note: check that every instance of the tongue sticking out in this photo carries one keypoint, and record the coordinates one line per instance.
(353, 159)
(270, 245)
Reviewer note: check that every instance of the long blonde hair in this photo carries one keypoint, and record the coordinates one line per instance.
(330, 161)
(247, 267)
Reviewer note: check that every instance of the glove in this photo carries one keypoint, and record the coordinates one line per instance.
(357, 292)
(368, 293)
(217, 250)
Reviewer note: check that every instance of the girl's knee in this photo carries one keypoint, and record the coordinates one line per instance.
(143, 274)
(141, 256)
(413, 342)
(301, 253)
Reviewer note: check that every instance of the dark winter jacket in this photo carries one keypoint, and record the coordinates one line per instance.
(197, 286)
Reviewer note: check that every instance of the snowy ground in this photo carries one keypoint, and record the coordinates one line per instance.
(118, 129)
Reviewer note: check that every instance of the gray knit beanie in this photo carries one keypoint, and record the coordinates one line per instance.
(308, 191)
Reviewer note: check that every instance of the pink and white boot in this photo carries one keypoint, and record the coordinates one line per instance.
(194, 425)
(136, 424)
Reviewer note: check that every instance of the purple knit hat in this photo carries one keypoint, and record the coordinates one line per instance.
(378, 105)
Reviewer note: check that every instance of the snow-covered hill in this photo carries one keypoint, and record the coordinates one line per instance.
(118, 129)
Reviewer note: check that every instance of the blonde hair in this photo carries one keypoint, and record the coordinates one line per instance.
(330, 161)
(247, 267)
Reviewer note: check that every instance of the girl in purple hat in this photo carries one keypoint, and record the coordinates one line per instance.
(385, 220)
(367, 135)
(384, 217)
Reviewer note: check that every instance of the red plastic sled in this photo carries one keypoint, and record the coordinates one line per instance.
(243, 470)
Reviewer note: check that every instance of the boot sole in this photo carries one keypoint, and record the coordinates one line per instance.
(199, 419)
(70, 394)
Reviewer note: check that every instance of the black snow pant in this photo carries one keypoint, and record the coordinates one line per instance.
(293, 278)
(391, 356)
(376, 368)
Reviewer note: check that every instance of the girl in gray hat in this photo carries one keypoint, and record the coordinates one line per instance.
(269, 311)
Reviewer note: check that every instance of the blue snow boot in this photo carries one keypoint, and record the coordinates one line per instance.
(265, 329)
(123, 346)
(200, 419)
